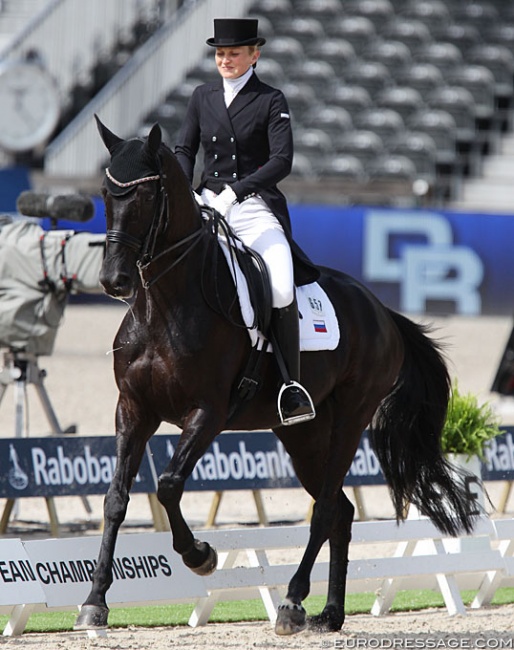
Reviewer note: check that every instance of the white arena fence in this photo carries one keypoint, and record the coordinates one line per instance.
(55, 574)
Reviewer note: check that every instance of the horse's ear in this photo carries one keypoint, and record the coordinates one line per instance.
(154, 139)
(110, 140)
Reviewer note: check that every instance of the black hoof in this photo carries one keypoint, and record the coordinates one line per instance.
(202, 559)
(291, 619)
(92, 617)
(325, 622)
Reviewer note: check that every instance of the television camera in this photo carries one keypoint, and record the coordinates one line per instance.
(39, 270)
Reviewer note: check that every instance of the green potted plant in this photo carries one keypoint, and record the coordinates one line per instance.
(468, 426)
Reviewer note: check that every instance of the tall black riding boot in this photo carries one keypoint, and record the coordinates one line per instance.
(294, 402)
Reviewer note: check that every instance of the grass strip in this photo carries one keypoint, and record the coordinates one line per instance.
(244, 611)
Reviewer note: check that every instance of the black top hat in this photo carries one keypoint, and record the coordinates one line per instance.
(235, 32)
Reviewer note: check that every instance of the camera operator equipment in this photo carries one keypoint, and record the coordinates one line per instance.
(39, 270)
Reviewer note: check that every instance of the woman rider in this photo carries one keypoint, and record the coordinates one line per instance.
(244, 128)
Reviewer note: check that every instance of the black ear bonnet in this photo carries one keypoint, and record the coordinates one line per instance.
(131, 162)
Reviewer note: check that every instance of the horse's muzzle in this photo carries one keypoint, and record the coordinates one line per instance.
(118, 285)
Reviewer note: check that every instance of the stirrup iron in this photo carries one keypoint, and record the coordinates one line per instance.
(295, 419)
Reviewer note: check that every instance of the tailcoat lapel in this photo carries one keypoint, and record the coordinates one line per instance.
(248, 93)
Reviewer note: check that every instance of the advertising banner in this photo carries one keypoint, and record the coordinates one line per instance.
(54, 466)
(145, 569)
(415, 260)
(251, 460)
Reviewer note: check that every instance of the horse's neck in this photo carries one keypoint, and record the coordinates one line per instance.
(183, 214)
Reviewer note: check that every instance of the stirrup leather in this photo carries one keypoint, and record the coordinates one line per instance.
(295, 419)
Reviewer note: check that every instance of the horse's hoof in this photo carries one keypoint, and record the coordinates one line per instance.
(324, 623)
(291, 619)
(209, 564)
(92, 617)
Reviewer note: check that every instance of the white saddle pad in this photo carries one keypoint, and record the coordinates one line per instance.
(319, 328)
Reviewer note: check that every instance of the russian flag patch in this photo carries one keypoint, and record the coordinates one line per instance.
(320, 327)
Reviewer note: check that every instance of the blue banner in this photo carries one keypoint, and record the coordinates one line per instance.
(416, 261)
(62, 466)
(253, 460)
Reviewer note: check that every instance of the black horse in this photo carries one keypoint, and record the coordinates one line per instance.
(180, 352)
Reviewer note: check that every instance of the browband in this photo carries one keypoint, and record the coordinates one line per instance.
(130, 183)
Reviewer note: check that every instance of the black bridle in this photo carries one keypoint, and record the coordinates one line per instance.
(145, 246)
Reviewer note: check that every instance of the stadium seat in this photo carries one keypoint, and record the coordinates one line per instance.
(477, 13)
(302, 166)
(441, 127)
(300, 97)
(500, 61)
(411, 32)
(354, 99)
(326, 11)
(371, 75)
(270, 71)
(462, 36)
(285, 50)
(319, 75)
(500, 34)
(335, 51)
(445, 56)
(305, 30)
(392, 167)
(423, 77)
(403, 99)
(266, 28)
(363, 144)
(431, 13)
(479, 80)
(386, 123)
(345, 167)
(377, 11)
(313, 143)
(459, 103)
(333, 120)
(357, 30)
(420, 148)
(272, 9)
(393, 54)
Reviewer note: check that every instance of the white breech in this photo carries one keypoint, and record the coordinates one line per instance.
(258, 228)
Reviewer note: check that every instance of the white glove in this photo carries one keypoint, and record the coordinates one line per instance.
(224, 201)
(198, 198)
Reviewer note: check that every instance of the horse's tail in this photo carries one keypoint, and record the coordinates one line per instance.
(406, 436)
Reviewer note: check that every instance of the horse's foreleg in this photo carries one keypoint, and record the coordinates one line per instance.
(94, 611)
(200, 557)
(332, 617)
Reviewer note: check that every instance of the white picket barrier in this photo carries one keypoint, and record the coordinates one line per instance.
(55, 573)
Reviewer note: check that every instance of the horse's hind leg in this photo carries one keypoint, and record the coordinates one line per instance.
(331, 519)
(332, 617)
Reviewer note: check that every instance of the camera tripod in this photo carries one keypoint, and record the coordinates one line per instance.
(21, 369)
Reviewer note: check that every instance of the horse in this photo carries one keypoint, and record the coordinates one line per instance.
(182, 348)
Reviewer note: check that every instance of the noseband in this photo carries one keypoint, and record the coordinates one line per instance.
(145, 247)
